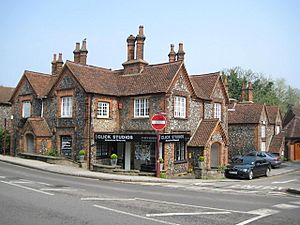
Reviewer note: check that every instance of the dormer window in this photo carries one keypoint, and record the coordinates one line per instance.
(26, 109)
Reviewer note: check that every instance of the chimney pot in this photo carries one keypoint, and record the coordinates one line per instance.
(172, 54)
(130, 47)
(77, 53)
(250, 92)
(83, 53)
(140, 39)
(53, 72)
(59, 63)
(180, 53)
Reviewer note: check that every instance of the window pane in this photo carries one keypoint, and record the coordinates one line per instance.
(141, 107)
(179, 107)
(66, 107)
(103, 109)
(26, 112)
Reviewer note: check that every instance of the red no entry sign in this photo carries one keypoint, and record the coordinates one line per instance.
(158, 122)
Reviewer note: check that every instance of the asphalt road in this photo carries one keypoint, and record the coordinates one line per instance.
(30, 196)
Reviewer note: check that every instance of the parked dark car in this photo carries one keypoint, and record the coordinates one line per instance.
(248, 167)
(274, 160)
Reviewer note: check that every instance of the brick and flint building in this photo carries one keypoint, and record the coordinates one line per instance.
(105, 111)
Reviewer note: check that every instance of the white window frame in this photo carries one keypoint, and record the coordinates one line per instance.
(263, 146)
(179, 107)
(26, 109)
(263, 131)
(218, 111)
(141, 108)
(66, 106)
(103, 110)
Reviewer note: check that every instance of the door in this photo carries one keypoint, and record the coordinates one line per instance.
(215, 155)
(297, 151)
(30, 143)
(66, 146)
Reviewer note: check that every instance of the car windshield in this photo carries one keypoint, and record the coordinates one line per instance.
(247, 160)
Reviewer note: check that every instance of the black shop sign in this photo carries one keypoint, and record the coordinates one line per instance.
(174, 137)
(125, 137)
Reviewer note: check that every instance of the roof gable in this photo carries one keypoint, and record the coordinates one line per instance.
(273, 113)
(38, 126)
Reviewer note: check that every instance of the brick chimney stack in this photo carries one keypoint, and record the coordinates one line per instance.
(180, 53)
(77, 53)
(130, 47)
(53, 72)
(172, 54)
(244, 89)
(83, 52)
(250, 92)
(225, 80)
(140, 39)
(59, 63)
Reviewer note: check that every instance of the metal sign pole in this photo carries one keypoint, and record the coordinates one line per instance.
(157, 155)
(4, 138)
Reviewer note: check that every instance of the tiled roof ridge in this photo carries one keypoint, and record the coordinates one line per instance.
(7, 86)
(91, 66)
(38, 73)
(217, 73)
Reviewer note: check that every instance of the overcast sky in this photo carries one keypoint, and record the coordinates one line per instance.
(261, 35)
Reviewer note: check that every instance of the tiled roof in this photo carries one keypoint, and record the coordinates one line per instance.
(277, 143)
(40, 82)
(292, 129)
(243, 113)
(272, 112)
(204, 84)
(40, 127)
(153, 79)
(5, 94)
(203, 133)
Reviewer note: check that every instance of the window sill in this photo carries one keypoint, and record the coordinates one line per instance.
(180, 118)
(66, 117)
(105, 118)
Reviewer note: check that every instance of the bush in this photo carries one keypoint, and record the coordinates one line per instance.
(2, 141)
(82, 152)
(163, 175)
(52, 152)
(161, 160)
(114, 156)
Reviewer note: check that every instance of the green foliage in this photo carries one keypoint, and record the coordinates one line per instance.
(161, 160)
(82, 152)
(163, 175)
(2, 140)
(52, 152)
(201, 158)
(265, 90)
(114, 156)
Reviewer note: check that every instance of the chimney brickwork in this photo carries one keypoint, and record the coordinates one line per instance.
(83, 53)
(77, 53)
(172, 54)
(180, 53)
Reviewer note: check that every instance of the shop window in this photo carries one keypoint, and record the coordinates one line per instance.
(179, 107)
(141, 107)
(263, 131)
(180, 150)
(103, 110)
(102, 150)
(66, 106)
(26, 109)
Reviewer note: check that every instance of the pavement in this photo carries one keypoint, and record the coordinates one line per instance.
(287, 167)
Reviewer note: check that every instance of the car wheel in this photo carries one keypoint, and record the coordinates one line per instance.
(268, 171)
(250, 176)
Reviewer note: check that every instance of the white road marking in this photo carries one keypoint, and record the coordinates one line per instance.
(261, 212)
(286, 206)
(283, 182)
(21, 182)
(134, 215)
(186, 205)
(296, 203)
(185, 214)
(28, 188)
(107, 199)
(58, 189)
(42, 183)
(2, 177)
